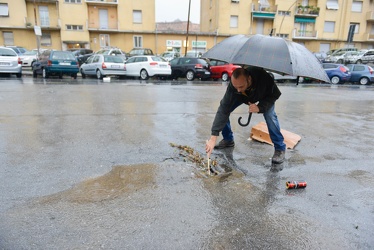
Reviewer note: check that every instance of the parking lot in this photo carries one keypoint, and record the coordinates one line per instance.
(88, 164)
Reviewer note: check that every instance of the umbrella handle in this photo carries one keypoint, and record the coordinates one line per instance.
(246, 124)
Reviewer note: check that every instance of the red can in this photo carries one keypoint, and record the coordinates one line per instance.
(295, 184)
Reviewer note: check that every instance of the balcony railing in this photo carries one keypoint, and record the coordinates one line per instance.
(42, 1)
(370, 16)
(305, 34)
(370, 36)
(307, 11)
(103, 1)
(262, 8)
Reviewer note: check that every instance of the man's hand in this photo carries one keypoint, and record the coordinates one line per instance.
(253, 108)
(209, 146)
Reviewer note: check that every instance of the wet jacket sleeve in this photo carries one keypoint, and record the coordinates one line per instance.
(223, 112)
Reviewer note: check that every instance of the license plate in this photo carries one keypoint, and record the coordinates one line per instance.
(162, 66)
(4, 63)
(207, 73)
(63, 63)
(115, 66)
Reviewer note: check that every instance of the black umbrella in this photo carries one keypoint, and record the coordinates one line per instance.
(271, 53)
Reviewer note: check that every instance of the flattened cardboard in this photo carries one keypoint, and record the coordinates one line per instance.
(260, 133)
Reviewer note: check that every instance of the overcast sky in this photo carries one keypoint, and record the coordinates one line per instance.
(169, 10)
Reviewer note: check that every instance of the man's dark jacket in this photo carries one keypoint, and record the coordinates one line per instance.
(263, 90)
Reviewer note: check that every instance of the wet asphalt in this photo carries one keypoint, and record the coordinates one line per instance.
(90, 165)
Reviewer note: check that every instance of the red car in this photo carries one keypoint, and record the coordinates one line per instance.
(221, 70)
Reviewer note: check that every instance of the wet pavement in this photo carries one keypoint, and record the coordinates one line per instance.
(89, 165)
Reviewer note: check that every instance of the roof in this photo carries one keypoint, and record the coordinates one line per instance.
(177, 26)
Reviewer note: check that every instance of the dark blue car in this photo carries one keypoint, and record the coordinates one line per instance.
(56, 63)
(361, 73)
(338, 73)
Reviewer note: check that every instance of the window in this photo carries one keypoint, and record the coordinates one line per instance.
(357, 27)
(73, 1)
(46, 40)
(282, 35)
(104, 40)
(284, 13)
(332, 5)
(137, 16)
(138, 41)
(356, 6)
(233, 21)
(4, 11)
(44, 16)
(8, 38)
(74, 27)
(329, 26)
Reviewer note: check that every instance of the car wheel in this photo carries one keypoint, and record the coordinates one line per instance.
(190, 75)
(98, 74)
(74, 76)
(19, 75)
(364, 81)
(225, 77)
(83, 74)
(143, 74)
(34, 74)
(359, 62)
(45, 74)
(335, 79)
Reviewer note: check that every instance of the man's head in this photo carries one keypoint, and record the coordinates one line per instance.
(241, 79)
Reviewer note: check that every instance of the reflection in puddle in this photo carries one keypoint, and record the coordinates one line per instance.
(120, 180)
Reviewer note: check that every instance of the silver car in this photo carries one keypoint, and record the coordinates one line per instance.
(10, 62)
(103, 65)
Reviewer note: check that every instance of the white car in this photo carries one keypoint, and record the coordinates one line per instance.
(100, 65)
(10, 62)
(284, 78)
(147, 66)
(28, 58)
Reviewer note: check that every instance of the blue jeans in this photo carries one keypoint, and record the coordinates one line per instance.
(272, 124)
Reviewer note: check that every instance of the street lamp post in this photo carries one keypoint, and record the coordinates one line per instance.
(188, 25)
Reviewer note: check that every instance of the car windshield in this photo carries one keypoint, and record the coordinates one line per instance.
(63, 55)
(32, 52)
(114, 59)
(7, 52)
(158, 59)
(136, 51)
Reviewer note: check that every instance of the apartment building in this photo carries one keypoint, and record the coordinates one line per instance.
(320, 25)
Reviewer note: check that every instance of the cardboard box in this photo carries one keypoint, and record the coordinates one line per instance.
(260, 133)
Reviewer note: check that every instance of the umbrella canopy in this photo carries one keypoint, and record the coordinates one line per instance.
(271, 53)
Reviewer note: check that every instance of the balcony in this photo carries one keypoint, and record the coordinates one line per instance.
(305, 34)
(370, 16)
(369, 36)
(102, 2)
(263, 12)
(307, 11)
(42, 1)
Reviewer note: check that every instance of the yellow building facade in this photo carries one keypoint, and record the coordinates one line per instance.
(320, 25)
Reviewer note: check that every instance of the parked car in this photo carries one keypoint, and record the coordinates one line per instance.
(361, 73)
(321, 56)
(81, 54)
(221, 70)
(336, 57)
(170, 55)
(284, 78)
(18, 49)
(366, 57)
(343, 50)
(338, 73)
(193, 53)
(113, 52)
(28, 58)
(102, 66)
(57, 63)
(190, 67)
(147, 66)
(10, 63)
(140, 52)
